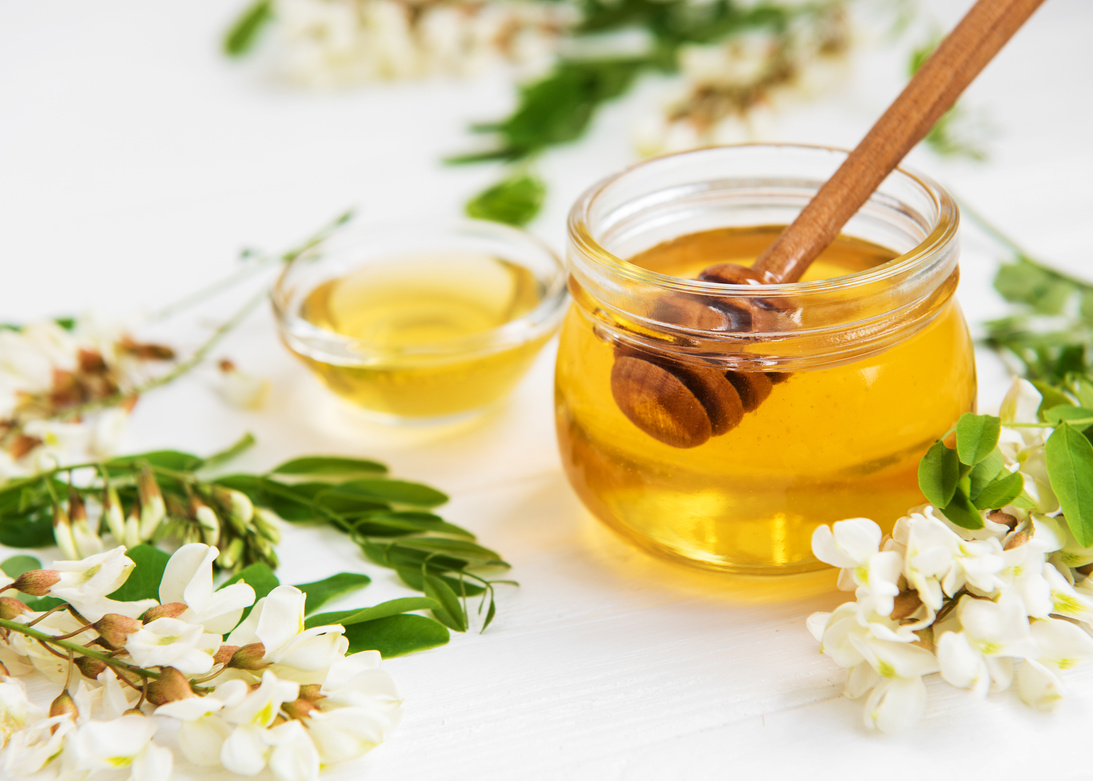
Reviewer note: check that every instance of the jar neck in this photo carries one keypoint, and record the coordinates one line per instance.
(797, 326)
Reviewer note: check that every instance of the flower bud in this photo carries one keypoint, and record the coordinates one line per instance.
(166, 610)
(265, 551)
(131, 538)
(224, 654)
(62, 533)
(37, 582)
(249, 657)
(1016, 540)
(905, 603)
(171, 686)
(207, 520)
(84, 534)
(114, 628)
(1003, 518)
(90, 667)
(299, 709)
(230, 556)
(238, 506)
(267, 524)
(112, 513)
(63, 706)
(21, 445)
(152, 507)
(312, 692)
(11, 608)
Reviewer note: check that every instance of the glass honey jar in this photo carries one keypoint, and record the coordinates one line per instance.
(836, 384)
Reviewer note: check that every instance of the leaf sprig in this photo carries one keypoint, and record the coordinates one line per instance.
(970, 477)
(1049, 336)
(558, 108)
(965, 473)
(389, 519)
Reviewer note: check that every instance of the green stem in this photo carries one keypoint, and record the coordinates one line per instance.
(207, 292)
(72, 647)
(250, 270)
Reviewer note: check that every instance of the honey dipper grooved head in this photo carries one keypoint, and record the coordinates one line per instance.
(681, 406)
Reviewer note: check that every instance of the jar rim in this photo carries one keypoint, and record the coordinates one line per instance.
(943, 231)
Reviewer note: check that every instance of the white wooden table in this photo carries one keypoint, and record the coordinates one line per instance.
(135, 162)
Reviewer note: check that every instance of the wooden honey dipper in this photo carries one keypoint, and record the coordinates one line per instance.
(683, 405)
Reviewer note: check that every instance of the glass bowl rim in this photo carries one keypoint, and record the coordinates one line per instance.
(541, 319)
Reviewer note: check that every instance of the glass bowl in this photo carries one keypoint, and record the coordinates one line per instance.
(420, 321)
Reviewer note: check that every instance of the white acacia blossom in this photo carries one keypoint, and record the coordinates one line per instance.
(338, 42)
(987, 608)
(45, 370)
(272, 695)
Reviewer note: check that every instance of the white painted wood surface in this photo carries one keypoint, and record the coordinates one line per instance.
(135, 162)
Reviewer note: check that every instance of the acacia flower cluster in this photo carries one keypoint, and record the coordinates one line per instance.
(338, 42)
(730, 85)
(49, 374)
(262, 693)
(1009, 602)
(187, 510)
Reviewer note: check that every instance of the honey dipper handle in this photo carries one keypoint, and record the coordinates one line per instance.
(931, 92)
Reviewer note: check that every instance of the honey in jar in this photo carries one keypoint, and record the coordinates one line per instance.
(872, 367)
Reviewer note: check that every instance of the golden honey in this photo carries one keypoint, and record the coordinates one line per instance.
(874, 366)
(827, 444)
(406, 314)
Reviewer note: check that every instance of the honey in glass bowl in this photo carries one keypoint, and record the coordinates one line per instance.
(872, 367)
(421, 322)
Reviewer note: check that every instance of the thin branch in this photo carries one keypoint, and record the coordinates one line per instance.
(180, 369)
(70, 646)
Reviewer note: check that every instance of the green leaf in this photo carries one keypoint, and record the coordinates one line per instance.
(31, 531)
(392, 607)
(320, 592)
(1000, 492)
(961, 512)
(16, 565)
(396, 491)
(395, 523)
(174, 460)
(983, 473)
(1084, 390)
(976, 437)
(1052, 396)
(396, 635)
(1070, 471)
(938, 474)
(143, 581)
(491, 613)
(515, 200)
(243, 34)
(329, 466)
(1074, 415)
(415, 579)
(1086, 308)
(558, 108)
(449, 610)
